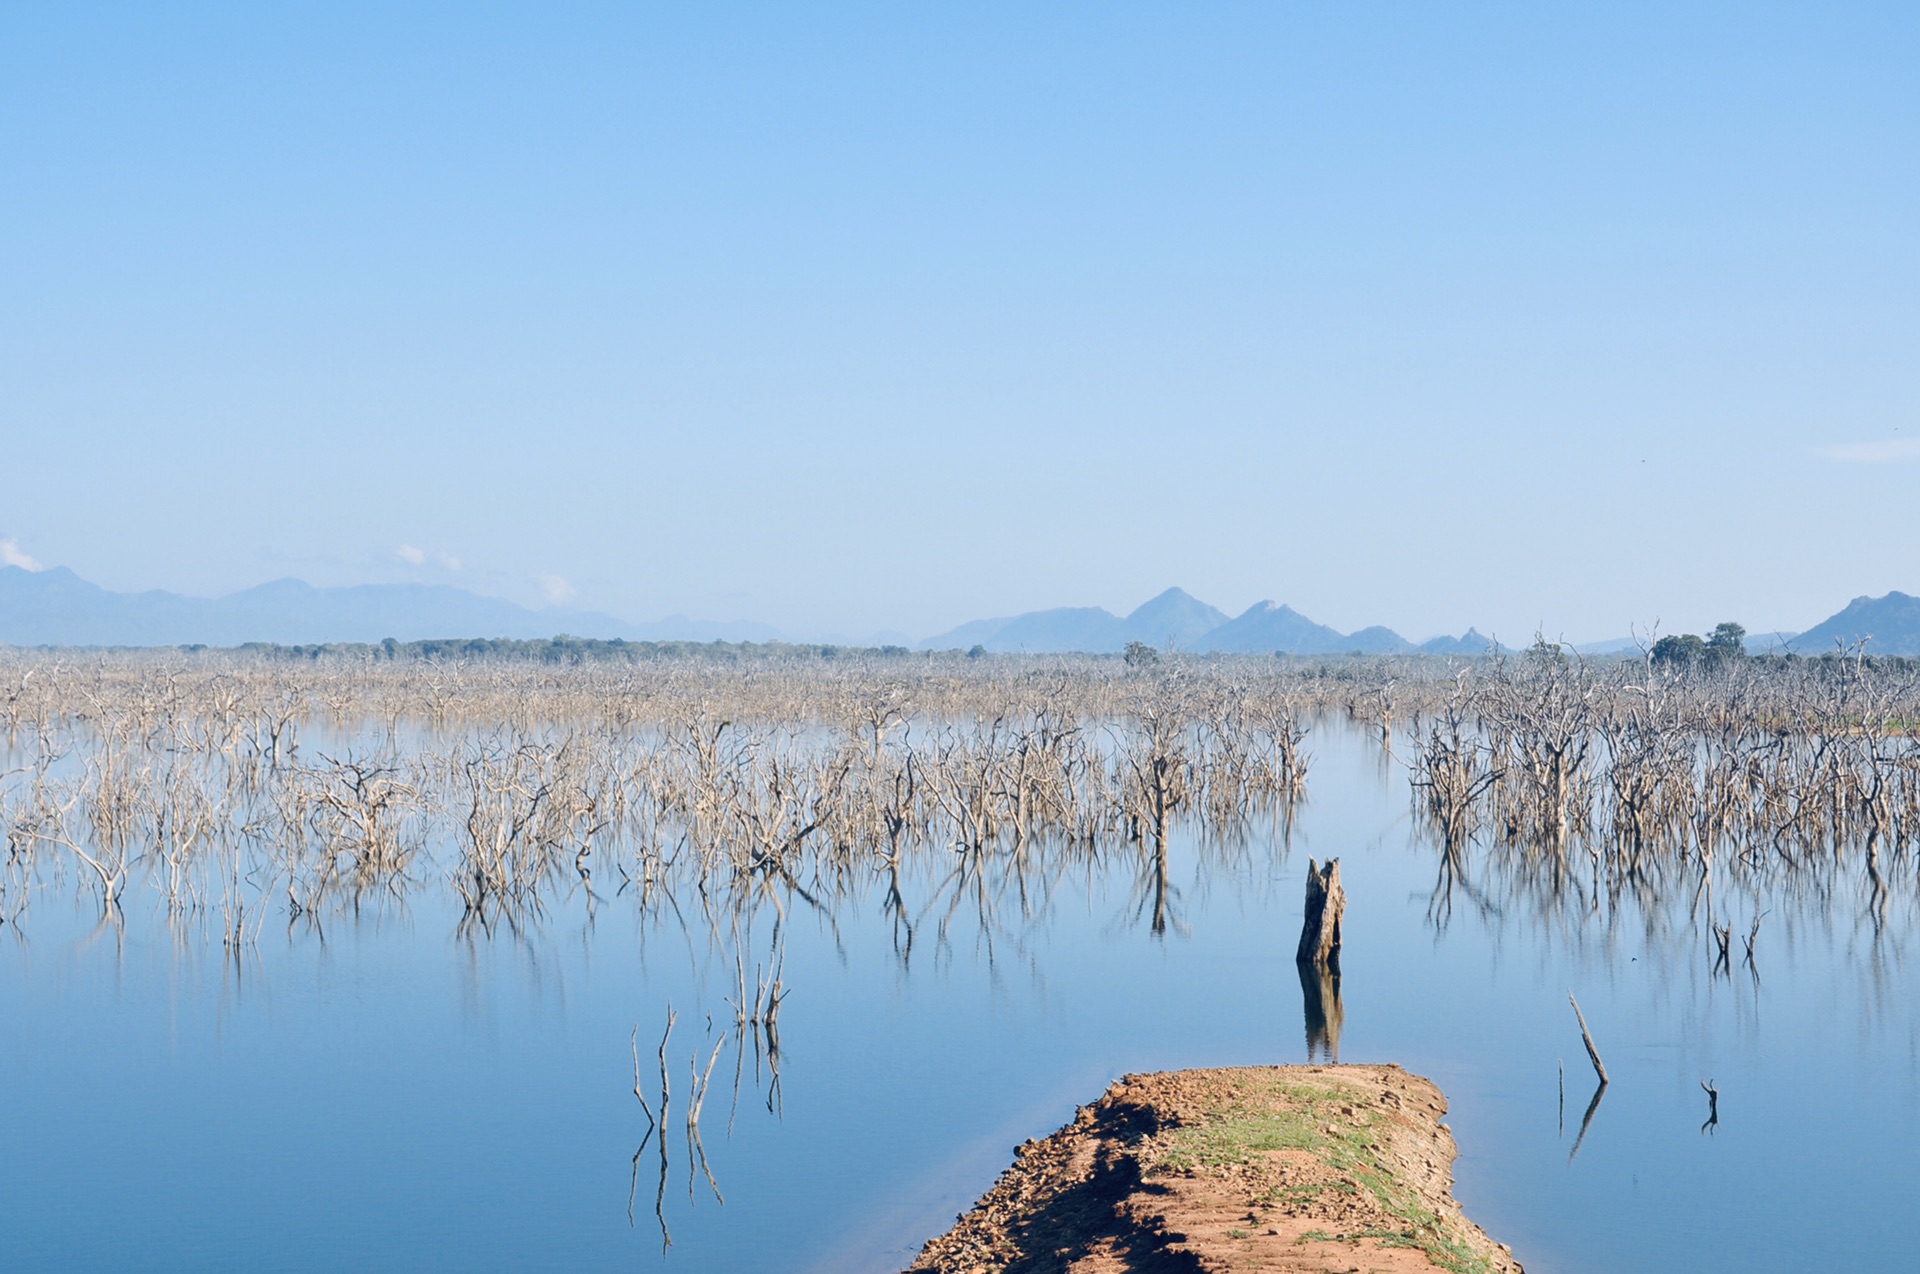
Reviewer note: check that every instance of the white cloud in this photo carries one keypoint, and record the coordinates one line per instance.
(10, 555)
(555, 588)
(415, 556)
(1887, 451)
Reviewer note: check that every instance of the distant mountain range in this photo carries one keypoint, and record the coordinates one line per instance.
(55, 607)
(1888, 625)
(1175, 619)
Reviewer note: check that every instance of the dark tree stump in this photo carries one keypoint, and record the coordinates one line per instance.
(1326, 903)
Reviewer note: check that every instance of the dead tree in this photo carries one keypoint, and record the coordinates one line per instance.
(1326, 904)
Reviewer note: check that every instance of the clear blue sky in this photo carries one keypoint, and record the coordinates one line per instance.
(860, 317)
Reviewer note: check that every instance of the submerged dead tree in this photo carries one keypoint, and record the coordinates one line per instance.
(1326, 904)
(1318, 959)
(736, 779)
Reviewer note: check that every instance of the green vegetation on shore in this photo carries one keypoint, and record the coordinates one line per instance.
(1337, 1126)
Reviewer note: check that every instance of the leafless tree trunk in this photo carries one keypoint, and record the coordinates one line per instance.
(1326, 904)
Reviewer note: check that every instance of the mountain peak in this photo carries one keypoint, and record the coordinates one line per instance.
(286, 586)
(1268, 628)
(1175, 618)
(1890, 625)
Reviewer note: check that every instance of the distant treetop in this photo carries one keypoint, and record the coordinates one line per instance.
(1688, 650)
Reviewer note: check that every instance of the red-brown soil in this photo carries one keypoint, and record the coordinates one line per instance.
(1280, 1168)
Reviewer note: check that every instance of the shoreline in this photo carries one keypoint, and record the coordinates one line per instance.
(1287, 1168)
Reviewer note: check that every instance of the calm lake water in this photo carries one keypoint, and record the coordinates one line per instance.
(389, 1094)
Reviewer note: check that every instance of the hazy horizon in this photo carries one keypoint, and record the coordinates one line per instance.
(857, 319)
(10, 555)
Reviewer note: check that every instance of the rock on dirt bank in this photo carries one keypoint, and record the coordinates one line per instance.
(1285, 1168)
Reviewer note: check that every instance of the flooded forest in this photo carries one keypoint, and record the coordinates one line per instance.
(945, 817)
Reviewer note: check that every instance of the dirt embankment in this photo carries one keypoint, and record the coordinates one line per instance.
(1282, 1168)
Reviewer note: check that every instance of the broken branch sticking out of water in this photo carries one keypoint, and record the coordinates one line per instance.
(1586, 1037)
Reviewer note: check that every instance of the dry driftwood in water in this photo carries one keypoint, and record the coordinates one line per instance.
(1586, 1037)
(1326, 903)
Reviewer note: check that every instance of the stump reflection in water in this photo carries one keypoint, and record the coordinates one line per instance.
(1320, 991)
(1318, 959)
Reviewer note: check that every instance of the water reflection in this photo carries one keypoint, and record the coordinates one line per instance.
(754, 1029)
(1499, 915)
(1684, 908)
(1320, 993)
(1586, 1120)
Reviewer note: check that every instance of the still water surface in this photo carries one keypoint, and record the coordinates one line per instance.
(390, 1094)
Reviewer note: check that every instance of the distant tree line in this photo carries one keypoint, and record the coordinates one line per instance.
(1676, 652)
(563, 649)
(1726, 644)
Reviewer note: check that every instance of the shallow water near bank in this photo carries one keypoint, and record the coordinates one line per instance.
(385, 1091)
